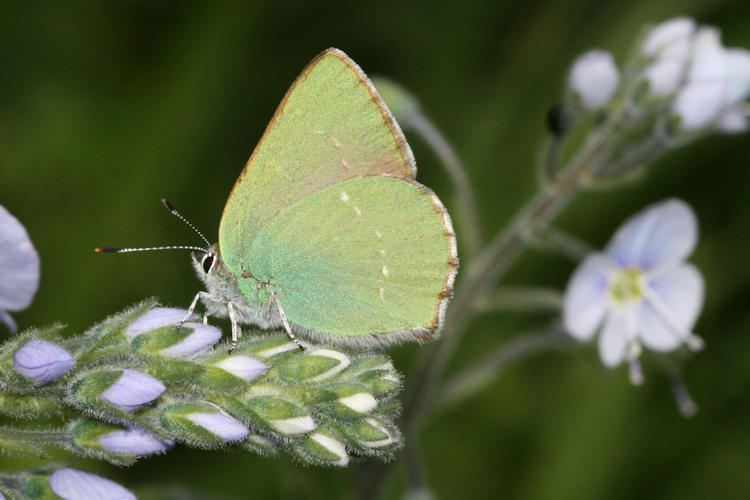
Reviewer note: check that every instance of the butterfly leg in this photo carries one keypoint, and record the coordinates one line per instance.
(236, 330)
(193, 305)
(288, 328)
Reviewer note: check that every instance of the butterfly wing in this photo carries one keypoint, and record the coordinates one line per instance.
(368, 260)
(332, 125)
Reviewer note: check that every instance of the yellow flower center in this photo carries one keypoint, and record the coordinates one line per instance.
(627, 286)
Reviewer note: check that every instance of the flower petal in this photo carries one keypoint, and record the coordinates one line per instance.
(668, 33)
(132, 390)
(613, 340)
(19, 264)
(221, 424)
(654, 333)
(42, 361)
(594, 77)
(134, 441)
(75, 484)
(586, 297)
(201, 337)
(662, 234)
(681, 290)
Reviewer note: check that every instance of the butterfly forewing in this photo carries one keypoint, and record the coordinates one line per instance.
(331, 126)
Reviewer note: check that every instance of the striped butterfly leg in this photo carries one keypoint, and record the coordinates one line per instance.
(285, 322)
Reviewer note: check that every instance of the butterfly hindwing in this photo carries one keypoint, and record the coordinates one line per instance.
(368, 259)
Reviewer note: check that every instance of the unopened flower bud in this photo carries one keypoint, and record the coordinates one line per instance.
(281, 415)
(669, 38)
(203, 424)
(75, 484)
(594, 77)
(242, 366)
(322, 447)
(314, 366)
(134, 441)
(132, 390)
(369, 433)
(698, 105)
(41, 361)
(156, 318)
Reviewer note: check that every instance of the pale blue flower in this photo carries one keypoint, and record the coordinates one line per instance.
(132, 390)
(42, 361)
(75, 484)
(19, 268)
(639, 291)
(594, 77)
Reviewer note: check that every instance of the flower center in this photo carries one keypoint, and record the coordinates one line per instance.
(627, 286)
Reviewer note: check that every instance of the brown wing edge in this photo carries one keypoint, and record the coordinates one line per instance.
(420, 334)
(390, 121)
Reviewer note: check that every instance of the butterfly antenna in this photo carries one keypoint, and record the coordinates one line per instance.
(177, 214)
(148, 249)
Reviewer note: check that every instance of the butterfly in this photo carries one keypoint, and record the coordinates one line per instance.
(326, 233)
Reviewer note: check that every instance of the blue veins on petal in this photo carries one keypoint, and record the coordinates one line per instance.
(42, 361)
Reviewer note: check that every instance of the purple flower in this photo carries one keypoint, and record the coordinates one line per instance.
(19, 268)
(42, 361)
(75, 484)
(242, 366)
(132, 390)
(134, 441)
(220, 424)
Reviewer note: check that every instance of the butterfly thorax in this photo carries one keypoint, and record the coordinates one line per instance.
(223, 288)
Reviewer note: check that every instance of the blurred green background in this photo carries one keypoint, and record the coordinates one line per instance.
(105, 107)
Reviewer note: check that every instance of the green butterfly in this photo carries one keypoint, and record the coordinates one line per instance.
(326, 232)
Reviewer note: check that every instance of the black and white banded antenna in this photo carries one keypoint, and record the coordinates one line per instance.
(177, 214)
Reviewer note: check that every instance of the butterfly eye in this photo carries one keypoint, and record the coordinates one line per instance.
(207, 262)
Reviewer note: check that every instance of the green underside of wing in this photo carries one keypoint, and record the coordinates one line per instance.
(330, 127)
(369, 255)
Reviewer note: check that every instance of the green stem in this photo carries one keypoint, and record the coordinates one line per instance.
(521, 298)
(469, 213)
(476, 377)
(55, 436)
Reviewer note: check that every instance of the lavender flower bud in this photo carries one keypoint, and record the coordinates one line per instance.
(132, 390)
(203, 424)
(594, 77)
(156, 318)
(134, 441)
(75, 484)
(42, 362)
(243, 366)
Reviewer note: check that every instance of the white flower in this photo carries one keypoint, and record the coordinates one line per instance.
(594, 77)
(715, 87)
(639, 291)
(669, 44)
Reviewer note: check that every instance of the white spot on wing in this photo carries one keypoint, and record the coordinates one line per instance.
(344, 196)
(382, 252)
(384, 270)
(336, 143)
(381, 292)
(346, 164)
(378, 234)
(358, 211)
